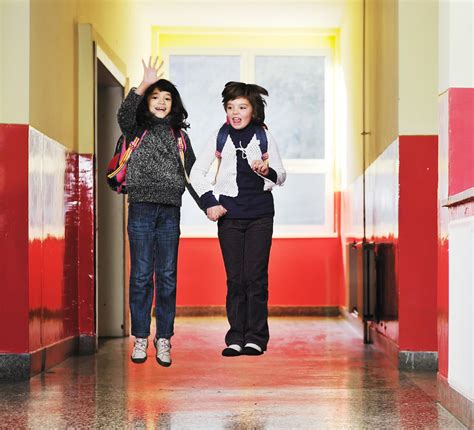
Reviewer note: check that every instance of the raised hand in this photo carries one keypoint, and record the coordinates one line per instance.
(151, 74)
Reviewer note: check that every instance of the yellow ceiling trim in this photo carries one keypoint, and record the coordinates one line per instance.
(186, 37)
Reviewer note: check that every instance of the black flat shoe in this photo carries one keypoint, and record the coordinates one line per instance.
(250, 350)
(231, 352)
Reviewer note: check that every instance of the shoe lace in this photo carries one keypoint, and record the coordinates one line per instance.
(164, 345)
(140, 344)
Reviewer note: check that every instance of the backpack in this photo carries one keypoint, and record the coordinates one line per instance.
(117, 167)
(222, 138)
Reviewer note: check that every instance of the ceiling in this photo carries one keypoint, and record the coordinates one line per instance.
(276, 14)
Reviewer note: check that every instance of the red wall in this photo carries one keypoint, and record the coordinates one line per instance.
(456, 175)
(48, 274)
(52, 302)
(14, 238)
(86, 246)
(303, 272)
(401, 209)
(48, 249)
(418, 243)
(461, 139)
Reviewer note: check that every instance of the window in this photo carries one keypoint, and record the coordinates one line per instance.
(299, 114)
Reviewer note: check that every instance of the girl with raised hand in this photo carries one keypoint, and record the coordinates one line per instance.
(156, 179)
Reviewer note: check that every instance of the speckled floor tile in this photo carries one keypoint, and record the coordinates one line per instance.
(316, 374)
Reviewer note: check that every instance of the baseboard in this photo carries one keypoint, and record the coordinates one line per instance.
(294, 311)
(384, 344)
(200, 311)
(414, 361)
(14, 367)
(403, 360)
(426, 361)
(51, 355)
(304, 311)
(22, 366)
(354, 321)
(458, 405)
(87, 344)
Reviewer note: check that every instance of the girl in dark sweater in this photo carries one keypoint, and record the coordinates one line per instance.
(156, 179)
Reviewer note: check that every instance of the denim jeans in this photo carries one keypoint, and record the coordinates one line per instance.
(245, 246)
(153, 232)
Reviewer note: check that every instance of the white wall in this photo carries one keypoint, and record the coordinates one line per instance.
(289, 14)
(245, 13)
(14, 61)
(456, 44)
(461, 303)
(418, 63)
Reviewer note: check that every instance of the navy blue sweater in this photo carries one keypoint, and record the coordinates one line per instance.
(251, 201)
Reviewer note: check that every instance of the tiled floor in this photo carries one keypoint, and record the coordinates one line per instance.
(316, 374)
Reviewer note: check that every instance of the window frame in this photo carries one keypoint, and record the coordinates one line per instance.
(324, 166)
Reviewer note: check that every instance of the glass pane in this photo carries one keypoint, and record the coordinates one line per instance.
(295, 106)
(301, 200)
(191, 215)
(200, 80)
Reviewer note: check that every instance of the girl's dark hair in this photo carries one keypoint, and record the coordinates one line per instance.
(178, 114)
(253, 93)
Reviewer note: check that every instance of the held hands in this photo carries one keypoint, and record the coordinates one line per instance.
(260, 167)
(151, 74)
(215, 212)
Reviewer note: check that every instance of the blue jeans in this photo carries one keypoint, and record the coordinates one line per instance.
(153, 232)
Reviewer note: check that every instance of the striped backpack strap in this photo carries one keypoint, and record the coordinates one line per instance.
(181, 143)
(125, 150)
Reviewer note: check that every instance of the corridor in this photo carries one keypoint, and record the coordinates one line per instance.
(317, 374)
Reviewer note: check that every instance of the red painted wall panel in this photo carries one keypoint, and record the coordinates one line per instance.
(401, 210)
(35, 253)
(14, 238)
(40, 249)
(443, 244)
(456, 174)
(418, 243)
(461, 139)
(54, 311)
(71, 216)
(86, 246)
(382, 218)
(307, 272)
(443, 306)
(303, 272)
(53, 300)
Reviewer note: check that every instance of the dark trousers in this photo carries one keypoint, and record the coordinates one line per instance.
(245, 246)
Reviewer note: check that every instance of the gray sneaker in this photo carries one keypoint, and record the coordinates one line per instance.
(163, 353)
(139, 350)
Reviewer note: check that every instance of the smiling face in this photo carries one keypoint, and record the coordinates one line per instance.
(239, 112)
(159, 103)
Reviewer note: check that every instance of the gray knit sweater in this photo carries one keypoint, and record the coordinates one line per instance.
(154, 172)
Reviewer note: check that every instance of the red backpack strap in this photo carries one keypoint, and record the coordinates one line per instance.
(181, 142)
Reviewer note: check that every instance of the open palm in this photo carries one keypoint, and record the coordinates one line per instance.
(151, 73)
